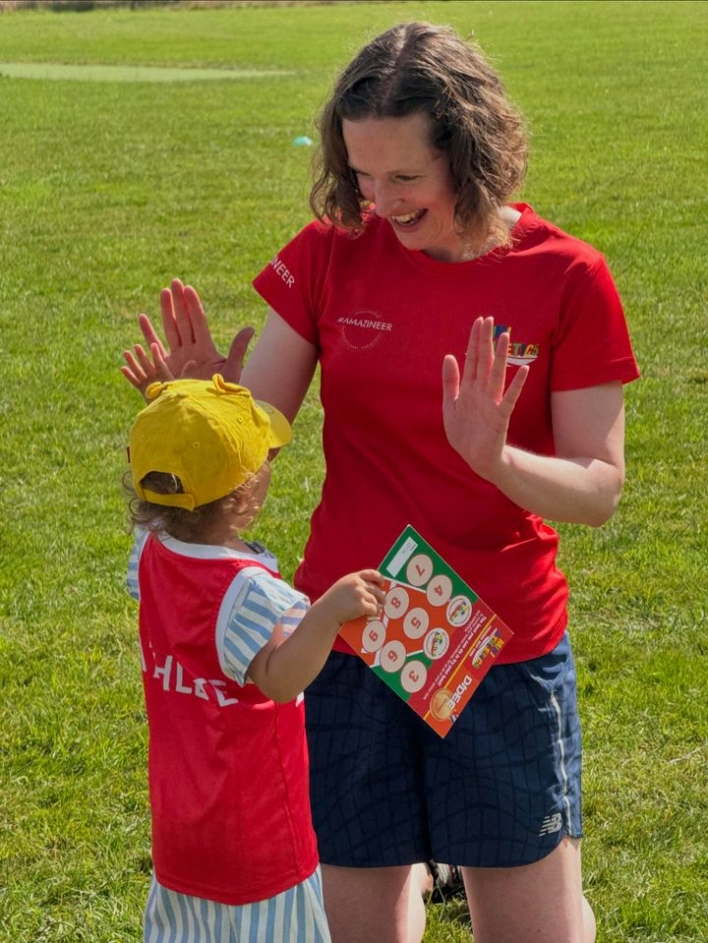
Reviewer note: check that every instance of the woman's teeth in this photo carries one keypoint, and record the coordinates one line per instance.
(407, 218)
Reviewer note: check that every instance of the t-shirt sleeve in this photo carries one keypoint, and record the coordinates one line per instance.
(132, 581)
(592, 344)
(294, 282)
(254, 604)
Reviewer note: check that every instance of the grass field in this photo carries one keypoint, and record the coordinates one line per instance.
(111, 184)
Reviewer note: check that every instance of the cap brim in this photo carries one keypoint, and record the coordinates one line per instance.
(280, 432)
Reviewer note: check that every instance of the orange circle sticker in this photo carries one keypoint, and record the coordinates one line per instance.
(373, 636)
(419, 569)
(413, 676)
(439, 590)
(415, 623)
(393, 656)
(397, 602)
(441, 704)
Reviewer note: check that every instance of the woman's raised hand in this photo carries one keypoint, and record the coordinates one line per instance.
(191, 353)
(476, 407)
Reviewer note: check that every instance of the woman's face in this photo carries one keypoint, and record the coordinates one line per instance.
(407, 180)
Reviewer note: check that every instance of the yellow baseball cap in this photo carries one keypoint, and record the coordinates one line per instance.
(210, 434)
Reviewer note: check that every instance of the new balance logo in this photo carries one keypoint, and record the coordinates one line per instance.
(551, 823)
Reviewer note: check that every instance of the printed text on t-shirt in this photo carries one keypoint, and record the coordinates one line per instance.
(172, 677)
(281, 269)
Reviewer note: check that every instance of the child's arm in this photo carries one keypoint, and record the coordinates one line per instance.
(289, 662)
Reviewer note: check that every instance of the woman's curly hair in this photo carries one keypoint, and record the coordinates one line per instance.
(421, 68)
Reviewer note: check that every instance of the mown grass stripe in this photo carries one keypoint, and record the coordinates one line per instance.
(119, 73)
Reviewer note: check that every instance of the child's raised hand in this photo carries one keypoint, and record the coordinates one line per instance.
(141, 369)
(354, 595)
(190, 350)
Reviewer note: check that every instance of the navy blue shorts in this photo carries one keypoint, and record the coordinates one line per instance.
(502, 789)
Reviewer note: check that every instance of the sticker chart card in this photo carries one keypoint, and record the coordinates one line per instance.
(435, 639)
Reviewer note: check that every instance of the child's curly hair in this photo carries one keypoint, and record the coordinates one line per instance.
(238, 508)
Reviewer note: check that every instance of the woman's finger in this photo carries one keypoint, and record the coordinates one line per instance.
(514, 389)
(181, 312)
(233, 365)
(472, 356)
(169, 320)
(148, 331)
(450, 380)
(497, 375)
(485, 353)
(199, 326)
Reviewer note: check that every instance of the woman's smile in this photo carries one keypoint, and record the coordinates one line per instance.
(407, 180)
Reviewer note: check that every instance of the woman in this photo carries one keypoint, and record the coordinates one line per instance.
(418, 261)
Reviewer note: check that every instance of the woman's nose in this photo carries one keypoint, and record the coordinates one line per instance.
(384, 198)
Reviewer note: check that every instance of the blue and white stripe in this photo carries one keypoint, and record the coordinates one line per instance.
(295, 916)
(253, 605)
(134, 561)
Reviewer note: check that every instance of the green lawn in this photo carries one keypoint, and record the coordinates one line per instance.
(112, 185)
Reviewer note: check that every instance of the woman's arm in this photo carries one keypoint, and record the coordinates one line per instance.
(582, 483)
(281, 367)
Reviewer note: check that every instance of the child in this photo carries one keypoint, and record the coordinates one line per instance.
(227, 648)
